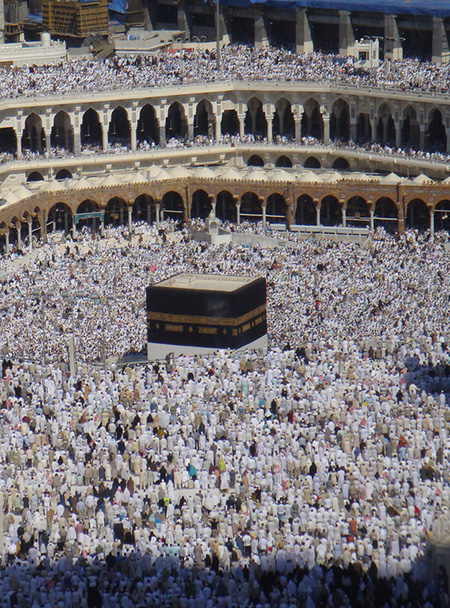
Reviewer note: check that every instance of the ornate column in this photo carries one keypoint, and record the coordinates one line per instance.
(105, 125)
(30, 231)
(19, 234)
(7, 245)
(77, 131)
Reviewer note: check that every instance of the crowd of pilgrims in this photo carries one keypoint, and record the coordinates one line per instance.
(309, 475)
(238, 62)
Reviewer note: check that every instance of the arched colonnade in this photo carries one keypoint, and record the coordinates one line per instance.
(147, 123)
(270, 204)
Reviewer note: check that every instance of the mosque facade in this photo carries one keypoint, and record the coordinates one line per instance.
(157, 181)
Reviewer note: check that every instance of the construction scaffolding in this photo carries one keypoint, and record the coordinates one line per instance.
(76, 19)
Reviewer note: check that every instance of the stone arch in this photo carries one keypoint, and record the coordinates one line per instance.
(204, 119)
(147, 126)
(35, 225)
(386, 214)
(357, 212)
(283, 161)
(88, 206)
(442, 215)
(436, 137)
(33, 135)
(312, 163)
(14, 232)
(60, 217)
(255, 161)
(8, 140)
(144, 209)
(312, 120)
(63, 174)
(255, 121)
(172, 206)
(306, 211)
(35, 176)
(385, 125)
(61, 135)
(91, 129)
(201, 204)
(119, 130)
(276, 208)
(176, 122)
(330, 211)
(283, 123)
(226, 207)
(251, 209)
(340, 120)
(417, 214)
(410, 131)
(116, 212)
(363, 128)
(341, 164)
(229, 124)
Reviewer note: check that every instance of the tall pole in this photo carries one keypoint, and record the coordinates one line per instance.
(218, 35)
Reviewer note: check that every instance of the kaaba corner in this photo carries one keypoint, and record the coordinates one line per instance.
(200, 313)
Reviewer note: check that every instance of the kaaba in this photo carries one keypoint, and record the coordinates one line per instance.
(195, 313)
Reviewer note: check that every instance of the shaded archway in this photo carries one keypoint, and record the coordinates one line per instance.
(442, 216)
(283, 123)
(251, 208)
(255, 122)
(363, 128)
(116, 212)
(147, 126)
(35, 176)
(330, 211)
(8, 141)
(410, 131)
(229, 124)
(172, 207)
(88, 206)
(312, 121)
(61, 135)
(418, 215)
(283, 161)
(201, 204)
(60, 218)
(33, 135)
(119, 131)
(306, 213)
(341, 164)
(386, 214)
(312, 163)
(35, 226)
(226, 207)
(357, 212)
(176, 122)
(91, 129)
(255, 161)
(340, 121)
(436, 138)
(63, 174)
(385, 125)
(276, 208)
(204, 119)
(144, 209)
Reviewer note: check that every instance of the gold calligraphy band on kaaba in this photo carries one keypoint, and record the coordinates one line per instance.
(219, 321)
